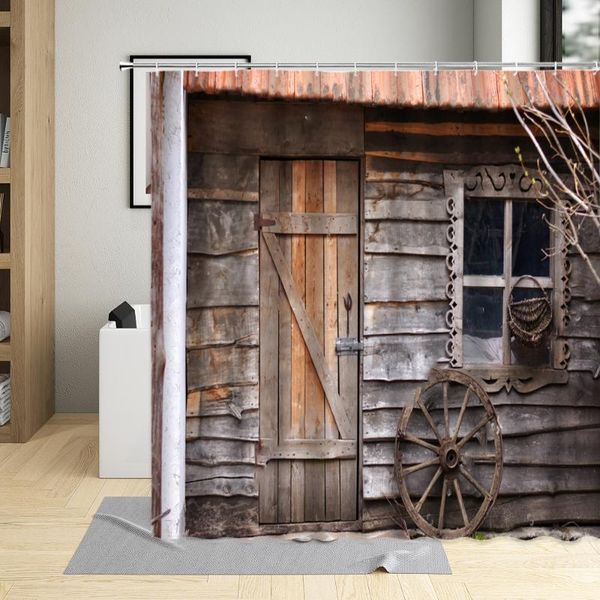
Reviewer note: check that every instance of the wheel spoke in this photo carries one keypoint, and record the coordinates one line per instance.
(416, 440)
(420, 466)
(446, 420)
(429, 420)
(443, 504)
(477, 428)
(428, 489)
(471, 479)
(461, 414)
(459, 498)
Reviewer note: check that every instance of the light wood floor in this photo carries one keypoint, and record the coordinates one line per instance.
(49, 491)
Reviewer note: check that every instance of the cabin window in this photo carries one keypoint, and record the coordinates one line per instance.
(503, 240)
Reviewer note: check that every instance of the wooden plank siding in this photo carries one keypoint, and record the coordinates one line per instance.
(551, 435)
(551, 442)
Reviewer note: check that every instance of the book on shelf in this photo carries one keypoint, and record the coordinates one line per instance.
(2, 126)
(5, 156)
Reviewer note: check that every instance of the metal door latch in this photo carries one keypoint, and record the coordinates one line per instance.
(348, 345)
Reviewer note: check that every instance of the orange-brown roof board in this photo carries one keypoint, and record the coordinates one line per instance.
(488, 90)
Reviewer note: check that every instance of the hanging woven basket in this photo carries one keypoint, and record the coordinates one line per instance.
(530, 319)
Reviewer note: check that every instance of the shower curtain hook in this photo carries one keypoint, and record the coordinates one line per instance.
(156, 66)
(396, 69)
(596, 67)
(196, 69)
(355, 69)
(555, 66)
(235, 69)
(516, 69)
(317, 67)
(435, 70)
(276, 69)
(475, 67)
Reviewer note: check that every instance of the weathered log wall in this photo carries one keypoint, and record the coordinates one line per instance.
(551, 436)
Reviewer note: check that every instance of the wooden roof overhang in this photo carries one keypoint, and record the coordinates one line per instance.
(464, 90)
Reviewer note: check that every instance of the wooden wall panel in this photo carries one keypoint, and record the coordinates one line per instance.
(274, 129)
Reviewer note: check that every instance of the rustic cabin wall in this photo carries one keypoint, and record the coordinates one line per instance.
(226, 140)
(551, 436)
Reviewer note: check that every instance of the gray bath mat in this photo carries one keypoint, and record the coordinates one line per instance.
(119, 542)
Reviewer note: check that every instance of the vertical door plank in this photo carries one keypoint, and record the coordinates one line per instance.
(332, 467)
(285, 354)
(269, 342)
(314, 470)
(347, 255)
(298, 348)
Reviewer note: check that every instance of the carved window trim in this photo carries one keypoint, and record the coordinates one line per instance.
(501, 182)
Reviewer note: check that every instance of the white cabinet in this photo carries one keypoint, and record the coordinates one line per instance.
(125, 398)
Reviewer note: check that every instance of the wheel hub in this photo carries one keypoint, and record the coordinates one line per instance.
(449, 456)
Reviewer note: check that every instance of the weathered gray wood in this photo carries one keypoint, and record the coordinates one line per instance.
(220, 452)
(407, 192)
(585, 355)
(310, 338)
(269, 339)
(379, 481)
(581, 390)
(222, 177)
(214, 516)
(581, 281)
(514, 420)
(222, 326)
(347, 199)
(218, 227)
(402, 357)
(383, 318)
(217, 366)
(407, 278)
(224, 427)
(230, 280)
(321, 449)
(310, 223)
(388, 394)
(584, 319)
(563, 448)
(407, 209)
(222, 401)
(589, 236)
(406, 237)
(194, 472)
(233, 127)
(223, 486)
(390, 169)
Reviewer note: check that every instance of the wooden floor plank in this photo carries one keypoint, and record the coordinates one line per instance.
(319, 586)
(352, 587)
(287, 587)
(383, 586)
(417, 587)
(255, 587)
(447, 588)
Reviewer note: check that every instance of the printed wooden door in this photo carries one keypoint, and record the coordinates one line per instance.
(309, 257)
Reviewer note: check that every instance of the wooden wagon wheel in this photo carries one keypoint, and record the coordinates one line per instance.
(453, 438)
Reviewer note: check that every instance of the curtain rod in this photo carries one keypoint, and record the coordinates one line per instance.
(192, 65)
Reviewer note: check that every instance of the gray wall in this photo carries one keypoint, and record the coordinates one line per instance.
(102, 246)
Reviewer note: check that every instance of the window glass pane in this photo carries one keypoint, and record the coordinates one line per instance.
(581, 30)
(530, 239)
(522, 354)
(484, 237)
(482, 325)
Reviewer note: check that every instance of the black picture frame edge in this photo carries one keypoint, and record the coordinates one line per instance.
(551, 30)
(132, 57)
